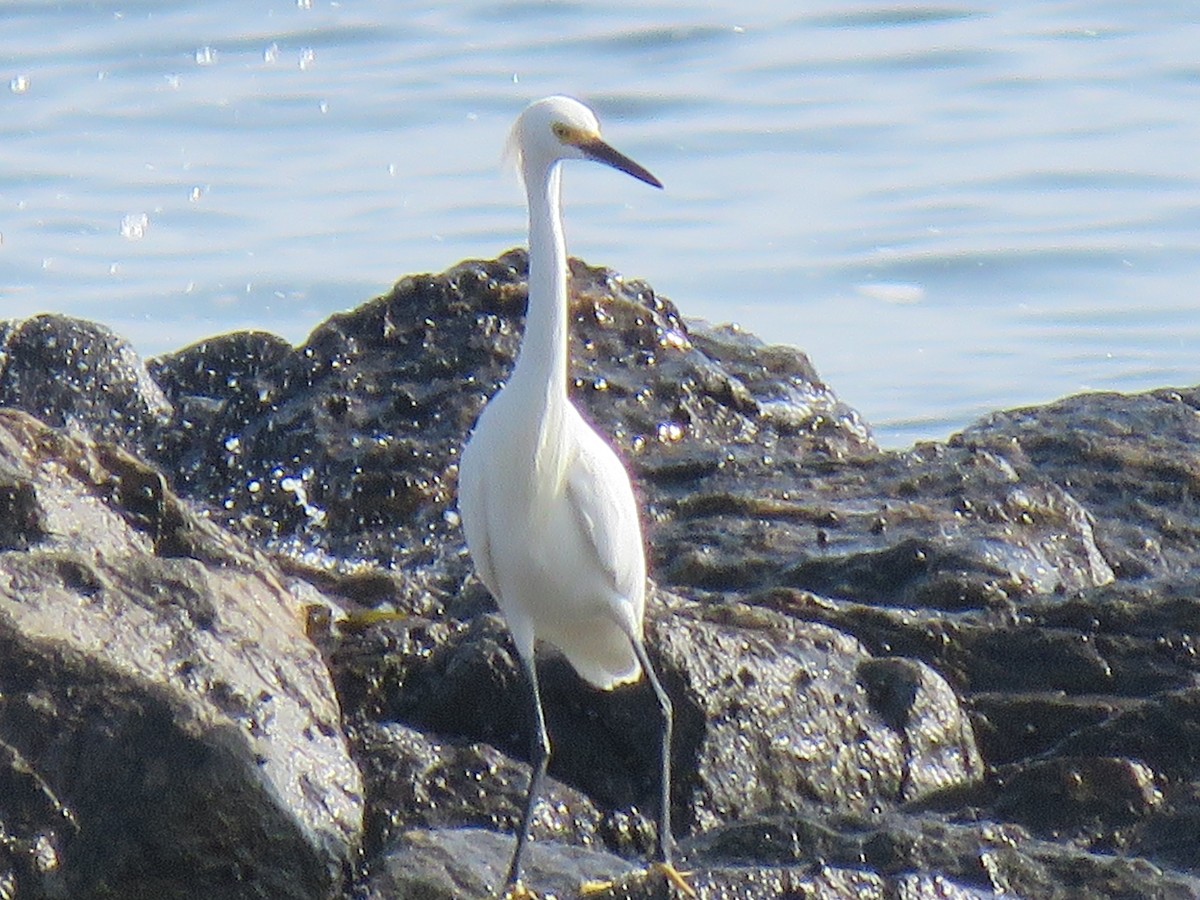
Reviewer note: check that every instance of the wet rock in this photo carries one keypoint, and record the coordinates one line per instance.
(964, 670)
(415, 781)
(1132, 460)
(1073, 793)
(166, 729)
(80, 375)
(948, 528)
(771, 716)
(34, 824)
(914, 856)
(467, 683)
(349, 442)
(784, 716)
(470, 864)
(1015, 725)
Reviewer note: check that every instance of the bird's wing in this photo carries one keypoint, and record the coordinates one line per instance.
(472, 506)
(602, 501)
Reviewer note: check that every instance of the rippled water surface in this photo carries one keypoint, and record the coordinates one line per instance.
(952, 208)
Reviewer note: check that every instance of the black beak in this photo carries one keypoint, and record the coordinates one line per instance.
(601, 152)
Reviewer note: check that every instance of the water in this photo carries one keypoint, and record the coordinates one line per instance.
(952, 208)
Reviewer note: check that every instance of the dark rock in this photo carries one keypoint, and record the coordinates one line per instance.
(79, 375)
(467, 683)
(1074, 793)
(947, 528)
(34, 824)
(469, 864)
(1012, 726)
(20, 514)
(913, 856)
(1133, 461)
(414, 781)
(349, 443)
(771, 715)
(965, 670)
(165, 728)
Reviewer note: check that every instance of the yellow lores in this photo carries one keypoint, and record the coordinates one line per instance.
(547, 507)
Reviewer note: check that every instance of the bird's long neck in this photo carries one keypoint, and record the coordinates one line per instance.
(544, 348)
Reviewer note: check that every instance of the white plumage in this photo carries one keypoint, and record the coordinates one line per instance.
(547, 507)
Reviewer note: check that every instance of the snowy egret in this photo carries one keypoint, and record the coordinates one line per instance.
(546, 505)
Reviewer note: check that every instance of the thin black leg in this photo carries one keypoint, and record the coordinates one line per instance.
(666, 840)
(539, 758)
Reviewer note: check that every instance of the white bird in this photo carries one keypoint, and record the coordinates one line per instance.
(546, 505)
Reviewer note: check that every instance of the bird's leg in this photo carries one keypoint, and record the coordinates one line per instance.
(539, 758)
(665, 865)
(666, 840)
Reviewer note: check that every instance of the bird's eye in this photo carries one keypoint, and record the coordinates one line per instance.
(560, 130)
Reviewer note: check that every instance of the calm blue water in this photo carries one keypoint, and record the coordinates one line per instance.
(952, 208)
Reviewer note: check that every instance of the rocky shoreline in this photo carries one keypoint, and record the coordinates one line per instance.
(242, 653)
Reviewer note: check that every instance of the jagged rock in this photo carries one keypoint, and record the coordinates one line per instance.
(80, 375)
(470, 864)
(948, 528)
(466, 684)
(415, 781)
(916, 856)
(1133, 461)
(771, 715)
(166, 730)
(350, 441)
(964, 670)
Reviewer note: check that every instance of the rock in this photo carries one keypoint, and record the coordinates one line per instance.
(771, 715)
(1074, 793)
(964, 670)
(786, 716)
(949, 528)
(166, 729)
(921, 857)
(470, 864)
(79, 375)
(417, 782)
(1131, 460)
(349, 443)
(468, 684)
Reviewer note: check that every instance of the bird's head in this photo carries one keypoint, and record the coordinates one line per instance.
(559, 128)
